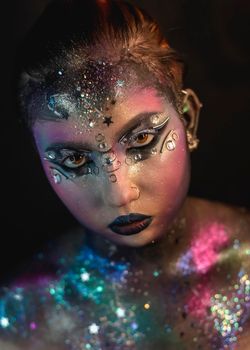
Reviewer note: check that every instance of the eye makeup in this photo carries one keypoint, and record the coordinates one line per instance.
(71, 163)
(144, 150)
(74, 161)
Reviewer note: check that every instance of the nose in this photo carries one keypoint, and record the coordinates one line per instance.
(123, 191)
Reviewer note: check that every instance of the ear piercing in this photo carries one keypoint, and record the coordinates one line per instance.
(193, 142)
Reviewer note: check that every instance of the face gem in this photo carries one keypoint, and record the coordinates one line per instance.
(92, 123)
(155, 119)
(56, 177)
(113, 178)
(102, 145)
(129, 161)
(170, 141)
(50, 155)
(171, 145)
(108, 158)
(108, 121)
(100, 137)
(137, 157)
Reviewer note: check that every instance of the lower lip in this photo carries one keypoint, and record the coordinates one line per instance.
(132, 229)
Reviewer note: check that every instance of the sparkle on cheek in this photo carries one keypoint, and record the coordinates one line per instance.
(169, 142)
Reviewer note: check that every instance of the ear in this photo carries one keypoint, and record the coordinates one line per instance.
(190, 115)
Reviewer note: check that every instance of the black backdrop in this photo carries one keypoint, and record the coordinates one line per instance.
(214, 38)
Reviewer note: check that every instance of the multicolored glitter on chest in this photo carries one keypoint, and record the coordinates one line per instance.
(92, 304)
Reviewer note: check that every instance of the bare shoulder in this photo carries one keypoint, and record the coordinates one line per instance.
(235, 219)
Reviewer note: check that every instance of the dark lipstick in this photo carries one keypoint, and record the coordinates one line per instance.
(130, 224)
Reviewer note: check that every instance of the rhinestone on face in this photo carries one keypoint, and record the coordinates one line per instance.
(91, 124)
(129, 161)
(137, 157)
(57, 177)
(113, 178)
(171, 145)
(102, 145)
(100, 137)
(154, 151)
(155, 119)
(108, 158)
(51, 155)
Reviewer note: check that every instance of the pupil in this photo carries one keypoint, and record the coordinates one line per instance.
(75, 158)
(142, 137)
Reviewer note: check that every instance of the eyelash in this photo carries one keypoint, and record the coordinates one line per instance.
(148, 132)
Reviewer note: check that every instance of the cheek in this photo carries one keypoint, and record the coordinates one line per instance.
(75, 196)
(166, 176)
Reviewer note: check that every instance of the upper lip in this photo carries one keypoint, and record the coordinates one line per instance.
(130, 224)
(128, 219)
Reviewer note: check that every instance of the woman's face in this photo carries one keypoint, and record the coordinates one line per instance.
(123, 174)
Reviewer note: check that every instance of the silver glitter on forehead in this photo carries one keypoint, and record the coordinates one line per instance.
(93, 86)
(61, 105)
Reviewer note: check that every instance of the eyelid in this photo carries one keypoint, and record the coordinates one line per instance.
(152, 130)
(160, 126)
(145, 131)
(69, 152)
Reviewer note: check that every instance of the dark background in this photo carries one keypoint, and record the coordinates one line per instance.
(214, 37)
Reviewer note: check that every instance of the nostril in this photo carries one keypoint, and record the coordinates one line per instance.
(121, 196)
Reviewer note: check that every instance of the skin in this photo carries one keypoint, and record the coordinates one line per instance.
(191, 241)
(95, 201)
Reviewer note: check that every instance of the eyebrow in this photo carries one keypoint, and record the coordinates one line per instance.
(126, 129)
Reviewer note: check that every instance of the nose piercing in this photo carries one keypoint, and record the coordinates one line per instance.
(138, 191)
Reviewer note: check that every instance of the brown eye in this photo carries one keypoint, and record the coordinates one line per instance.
(142, 139)
(75, 160)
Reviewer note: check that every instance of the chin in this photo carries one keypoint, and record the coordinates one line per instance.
(141, 239)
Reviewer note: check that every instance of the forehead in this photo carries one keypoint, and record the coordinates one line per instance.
(132, 102)
(89, 89)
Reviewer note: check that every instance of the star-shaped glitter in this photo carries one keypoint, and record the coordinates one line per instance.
(93, 328)
(108, 121)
